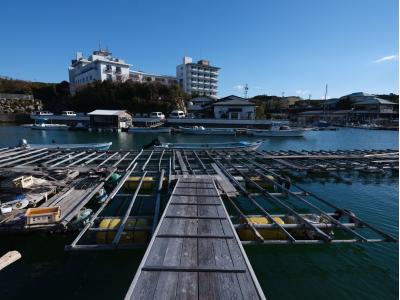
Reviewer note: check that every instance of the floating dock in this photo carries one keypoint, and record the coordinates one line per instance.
(195, 251)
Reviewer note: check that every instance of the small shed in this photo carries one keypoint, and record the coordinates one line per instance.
(110, 119)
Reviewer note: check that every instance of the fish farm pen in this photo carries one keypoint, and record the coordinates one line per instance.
(188, 207)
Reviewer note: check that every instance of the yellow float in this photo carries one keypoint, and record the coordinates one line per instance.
(148, 182)
(246, 234)
(128, 237)
(261, 182)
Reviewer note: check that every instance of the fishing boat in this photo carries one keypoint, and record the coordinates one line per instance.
(242, 145)
(94, 146)
(201, 130)
(278, 131)
(150, 129)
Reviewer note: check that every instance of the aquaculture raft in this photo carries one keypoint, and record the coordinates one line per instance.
(211, 192)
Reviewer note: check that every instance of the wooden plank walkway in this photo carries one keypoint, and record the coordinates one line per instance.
(195, 252)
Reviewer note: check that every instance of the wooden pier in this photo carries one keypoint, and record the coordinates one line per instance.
(195, 252)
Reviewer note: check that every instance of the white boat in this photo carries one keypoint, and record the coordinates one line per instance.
(94, 146)
(44, 126)
(209, 146)
(150, 129)
(201, 130)
(278, 131)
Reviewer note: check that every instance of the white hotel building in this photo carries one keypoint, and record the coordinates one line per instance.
(99, 66)
(198, 78)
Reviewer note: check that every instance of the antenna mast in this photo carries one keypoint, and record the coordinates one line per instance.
(326, 93)
(246, 89)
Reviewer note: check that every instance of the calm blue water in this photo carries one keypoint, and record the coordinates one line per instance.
(285, 272)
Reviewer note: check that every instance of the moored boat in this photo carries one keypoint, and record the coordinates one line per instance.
(93, 146)
(278, 131)
(201, 130)
(242, 145)
(44, 126)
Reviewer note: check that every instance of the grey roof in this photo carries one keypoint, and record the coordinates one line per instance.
(371, 101)
(321, 112)
(358, 94)
(233, 100)
(106, 112)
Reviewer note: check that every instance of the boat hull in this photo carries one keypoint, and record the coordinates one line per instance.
(210, 146)
(278, 133)
(94, 146)
(150, 130)
(58, 127)
(208, 131)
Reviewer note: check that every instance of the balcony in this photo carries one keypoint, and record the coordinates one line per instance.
(107, 70)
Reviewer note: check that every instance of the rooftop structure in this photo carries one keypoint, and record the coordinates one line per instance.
(198, 78)
(99, 66)
(143, 77)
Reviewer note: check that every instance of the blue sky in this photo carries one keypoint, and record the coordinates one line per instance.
(274, 46)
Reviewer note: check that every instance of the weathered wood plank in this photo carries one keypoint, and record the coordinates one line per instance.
(194, 248)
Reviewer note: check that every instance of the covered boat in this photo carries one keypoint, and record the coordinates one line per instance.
(200, 146)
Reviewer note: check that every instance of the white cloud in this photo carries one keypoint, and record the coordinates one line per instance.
(303, 93)
(239, 87)
(385, 58)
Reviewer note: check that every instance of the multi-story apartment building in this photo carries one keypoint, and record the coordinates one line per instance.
(99, 66)
(143, 77)
(198, 78)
